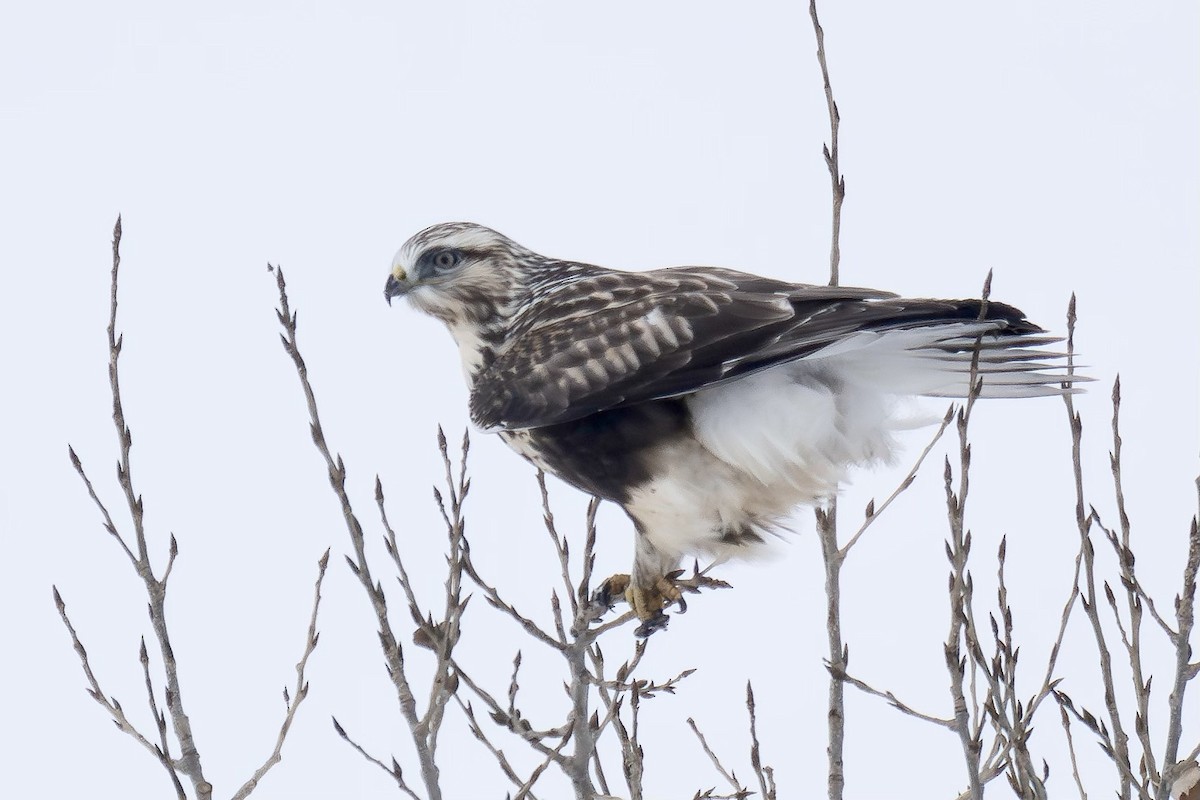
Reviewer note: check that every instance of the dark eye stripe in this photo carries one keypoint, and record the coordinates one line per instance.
(439, 260)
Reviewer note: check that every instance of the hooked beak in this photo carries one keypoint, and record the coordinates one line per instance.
(397, 284)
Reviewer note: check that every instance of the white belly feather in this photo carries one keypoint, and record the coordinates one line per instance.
(767, 443)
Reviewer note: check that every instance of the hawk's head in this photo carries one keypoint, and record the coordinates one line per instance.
(461, 273)
(471, 278)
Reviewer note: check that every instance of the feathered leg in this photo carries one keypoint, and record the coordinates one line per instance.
(648, 589)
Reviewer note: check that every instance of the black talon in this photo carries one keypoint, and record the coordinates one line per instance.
(682, 605)
(603, 597)
(602, 601)
(656, 623)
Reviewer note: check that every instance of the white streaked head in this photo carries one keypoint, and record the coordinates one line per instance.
(456, 271)
(468, 276)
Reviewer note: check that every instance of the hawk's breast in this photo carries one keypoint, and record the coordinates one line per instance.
(609, 453)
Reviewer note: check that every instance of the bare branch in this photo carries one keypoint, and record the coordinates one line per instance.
(110, 704)
(837, 181)
(632, 756)
(873, 512)
(561, 547)
(827, 519)
(423, 739)
(1119, 751)
(1048, 682)
(492, 595)
(525, 789)
(896, 703)
(584, 590)
(578, 766)
(392, 546)
(839, 653)
(1101, 732)
(300, 692)
(1132, 640)
(188, 762)
(160, 720)
(765, 774)
(510, 720)
(108, 522)
(448, 630)
(1066, 724)
(393, 771)
(958, 550)
(1185, 611)
(1129, 580)
(498, 754)
(730, 778)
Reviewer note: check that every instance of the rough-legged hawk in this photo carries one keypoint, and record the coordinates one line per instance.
(707, 403)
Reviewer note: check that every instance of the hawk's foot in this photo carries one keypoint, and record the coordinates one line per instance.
(648, 603)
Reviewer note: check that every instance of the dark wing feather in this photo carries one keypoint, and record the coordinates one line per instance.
(612, 339)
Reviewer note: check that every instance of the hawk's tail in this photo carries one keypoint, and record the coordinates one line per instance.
(938, 360)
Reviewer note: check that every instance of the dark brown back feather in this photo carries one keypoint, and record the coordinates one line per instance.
(611, 339)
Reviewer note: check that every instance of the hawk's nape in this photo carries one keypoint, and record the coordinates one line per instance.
(708, 403)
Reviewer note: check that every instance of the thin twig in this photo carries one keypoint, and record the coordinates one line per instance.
(108, 522)
(765, 774)
(729, 777)
(497, 753)
(633, 757)
(873, 512)
(394, 771)
(160, 719)
(827, 518)
(393, 653)
(839, 652)
(958, 550)
(392, 546)
(449, 628)
(837, 180)
(1048, 682)
(561, 546)
(492, 595)
(511, 722)
(1185, 610)
(111, 704)
(299, 693)
(1120, 739)
(1131, 581)
(896, 702)
(526, 789)
(1066, 724)
(1132, 640)
(611, 692)
(1101, 732)
(188, 761)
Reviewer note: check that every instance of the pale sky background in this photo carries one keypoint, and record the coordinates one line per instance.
(1055, 143)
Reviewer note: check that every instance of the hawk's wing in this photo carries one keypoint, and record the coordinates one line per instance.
(615, 338)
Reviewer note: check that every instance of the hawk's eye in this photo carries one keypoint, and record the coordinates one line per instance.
(446, 260)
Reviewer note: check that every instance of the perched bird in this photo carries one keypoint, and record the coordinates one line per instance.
(707, 403)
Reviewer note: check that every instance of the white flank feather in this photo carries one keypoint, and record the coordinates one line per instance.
(804, 424)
